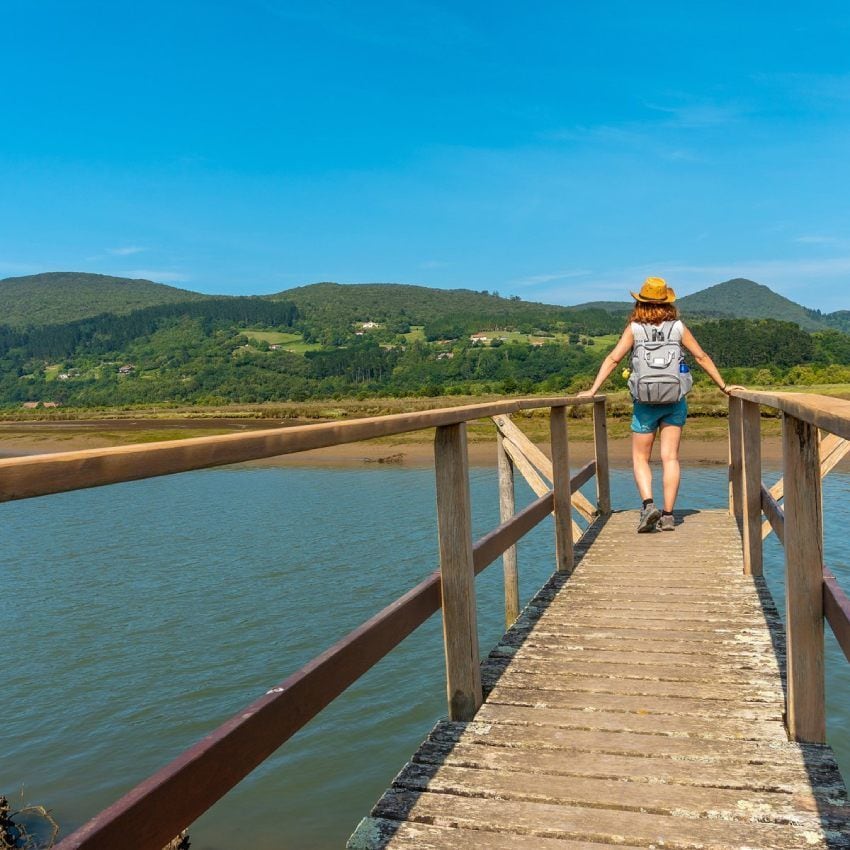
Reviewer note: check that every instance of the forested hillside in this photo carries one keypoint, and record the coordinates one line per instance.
(332, 341)
(329, 310)
(58, 297)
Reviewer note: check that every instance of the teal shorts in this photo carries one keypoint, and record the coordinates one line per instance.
(647, 417)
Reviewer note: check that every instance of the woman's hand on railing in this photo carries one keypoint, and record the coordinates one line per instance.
(727, 388)
(585, 394)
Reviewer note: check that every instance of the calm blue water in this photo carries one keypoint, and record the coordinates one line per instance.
(138, 617)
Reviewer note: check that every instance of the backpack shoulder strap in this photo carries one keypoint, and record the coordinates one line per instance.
(640, 332)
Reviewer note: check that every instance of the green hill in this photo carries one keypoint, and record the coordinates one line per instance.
(58, 297)
(442, 312)
(746, 299)
(330, 340)
(362, 302)
(742, 299)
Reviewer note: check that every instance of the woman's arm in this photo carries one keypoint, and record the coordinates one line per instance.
(689, 341)
(609, 364)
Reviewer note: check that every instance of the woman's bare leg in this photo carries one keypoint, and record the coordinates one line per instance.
(670, 437)
(641, 451)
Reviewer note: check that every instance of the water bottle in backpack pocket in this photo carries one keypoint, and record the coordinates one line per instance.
(657, 377)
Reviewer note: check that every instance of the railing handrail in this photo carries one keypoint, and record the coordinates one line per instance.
(152, 813)
(41, 475)
(825, 412)
(811, 591)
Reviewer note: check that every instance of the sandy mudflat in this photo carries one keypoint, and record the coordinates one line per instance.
(484, 454)
(16, 442)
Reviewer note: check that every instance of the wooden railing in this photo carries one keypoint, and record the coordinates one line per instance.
(157, 809)
(815, 435)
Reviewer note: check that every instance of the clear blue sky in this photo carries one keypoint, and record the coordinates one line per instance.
(557, 151)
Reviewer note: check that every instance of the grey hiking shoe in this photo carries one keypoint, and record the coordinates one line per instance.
(666, 523)
(649, 517)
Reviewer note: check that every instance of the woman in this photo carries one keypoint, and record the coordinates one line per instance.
(655, 317)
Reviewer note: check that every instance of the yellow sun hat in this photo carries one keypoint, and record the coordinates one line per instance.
(655, 291)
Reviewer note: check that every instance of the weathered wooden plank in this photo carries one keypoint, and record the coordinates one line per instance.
(507, 508)
(654, 798)
(804, 581)
(39, 475)
(807, 776)
(536, 456)
(562, 668)
(829, 414)
(775, 516)
(604, 825)
(751, 487)
(504, 693)
(634, 703)
(745, 639)
(735, 459)
(532, 478)
(760, 663)
(836, 609)
(622, 721)
(623, 743)
(600, 445)
(454, 521)
(646, 687)
(564, 558)
(592, 646)
(380, 833)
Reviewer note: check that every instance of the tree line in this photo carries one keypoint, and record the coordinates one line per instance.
(200, 353)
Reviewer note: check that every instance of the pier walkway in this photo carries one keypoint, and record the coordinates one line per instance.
(649, 695)
(638, 703)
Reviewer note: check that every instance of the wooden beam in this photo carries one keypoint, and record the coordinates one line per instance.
(832, 451)
(40, 475)
(751, 487)
(806, 714)
(525, 467)
(774, 514)
(561, 485)
(836, 609)
(531, 476)
(735, 460)
(507, 508)
(600, 440)
(830, 414)
(497, 541)
(536, 456)
(460, 617)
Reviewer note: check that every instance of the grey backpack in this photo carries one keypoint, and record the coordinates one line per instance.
(659, 374)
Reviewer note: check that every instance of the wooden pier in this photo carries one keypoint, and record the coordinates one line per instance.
(638, 703)
(647, 697)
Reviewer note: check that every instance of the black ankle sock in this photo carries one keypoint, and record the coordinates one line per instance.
(666, 513)
(647, 502)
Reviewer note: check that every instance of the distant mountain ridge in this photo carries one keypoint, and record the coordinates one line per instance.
(59, 297)
(741, 298)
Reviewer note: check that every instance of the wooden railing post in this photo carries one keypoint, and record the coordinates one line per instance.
(751, 480)
(735, 459)
(561, 487)
(507, 508)
(806, 711)
(600, 439)
(454, 523)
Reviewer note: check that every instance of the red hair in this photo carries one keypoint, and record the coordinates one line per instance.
(645, 313)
